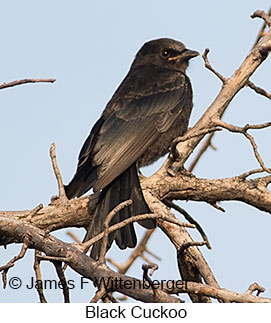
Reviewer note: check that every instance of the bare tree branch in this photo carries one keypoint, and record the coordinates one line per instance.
(233, 85)
(11, 263)
(258, 90)
(221, 293)
(106, 228)
(61, 189)
(38, 276)
(261, 32)
(263, 15)
(171, 182)
(80, 262)
(209, 66)
(86, 245)
(24, 81)
(248, 136)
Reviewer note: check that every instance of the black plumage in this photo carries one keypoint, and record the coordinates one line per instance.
(149, 109)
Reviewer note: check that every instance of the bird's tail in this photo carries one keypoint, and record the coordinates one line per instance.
(126, 186)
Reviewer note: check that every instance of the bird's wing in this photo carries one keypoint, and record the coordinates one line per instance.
(134, 119)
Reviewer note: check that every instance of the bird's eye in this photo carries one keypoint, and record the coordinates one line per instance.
(165, 53)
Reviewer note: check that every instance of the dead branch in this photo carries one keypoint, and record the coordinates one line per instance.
(190, 188)
(24, 81)
(73, 236)
(178, 235)
(220, 293)
(38, 276)
(261, 32)
(252, 172)
(15, 226)
(175, 152)
(86, 245)
(209, 66)
(259, 90)
(243, 131)
(216, 110)
(207, 143)
(78, 261)
(100, 293)
(190, 219)
(11, 263)
(146, 277)
(61, 189)
(192, 244)
(137, 252)
(52, 258)
(255, 287)
(182, 187)
(263, 15)
(62, 279)
(106, 228)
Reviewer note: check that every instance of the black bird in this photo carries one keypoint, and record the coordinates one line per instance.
(149, 109)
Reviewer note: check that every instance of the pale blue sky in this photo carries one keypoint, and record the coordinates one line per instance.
(88, 47)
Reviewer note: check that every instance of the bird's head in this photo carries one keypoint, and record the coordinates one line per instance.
(165, 52)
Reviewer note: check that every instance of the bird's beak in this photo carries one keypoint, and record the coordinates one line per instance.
(185, 55)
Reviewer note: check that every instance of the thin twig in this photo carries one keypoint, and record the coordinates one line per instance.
(190, 219)
(146, 267)
(100, 293)
(224, 80)
(207, 143)
(38, 277)
(109, 296)
(258, 90)
(219, 293)
(52, 258)
(257, 126)
(35, 210)
(263, 15)
(106, 228)
(209, 66)
(248, 136)
(145, 258)
(135, 218)
(103, 294)
(61, 189)
(252, 172)
(204, 147)
(177, 140)
(24, 81)
(261, 32)
(11, 263)
(152, 253)
(218, 207)
(255, 287)
(191, 244)
(146, 277)
(137, 252)
(73, 236)
(61, 276)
